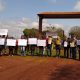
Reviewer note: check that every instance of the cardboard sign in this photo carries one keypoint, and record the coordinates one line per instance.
(53, 34)
(11, 42)
(65, 44)
(32, 41)
(72, 44)
(2, 41)
(78, 42)
(22, 42)
(41, 43)
(3, 31)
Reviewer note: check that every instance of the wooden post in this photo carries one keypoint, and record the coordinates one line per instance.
(40, 24)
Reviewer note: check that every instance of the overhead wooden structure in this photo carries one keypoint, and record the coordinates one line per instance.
(57, 15)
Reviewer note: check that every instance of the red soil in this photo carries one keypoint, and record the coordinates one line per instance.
(38, 68)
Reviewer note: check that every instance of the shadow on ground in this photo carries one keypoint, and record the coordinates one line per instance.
(66, 73)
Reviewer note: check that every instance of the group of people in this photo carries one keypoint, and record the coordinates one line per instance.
(69, 47)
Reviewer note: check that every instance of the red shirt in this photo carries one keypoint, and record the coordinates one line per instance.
(16, 42)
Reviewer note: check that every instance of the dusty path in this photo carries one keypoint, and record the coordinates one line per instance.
(38, 68)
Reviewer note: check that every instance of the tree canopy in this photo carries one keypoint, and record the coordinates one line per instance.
(75, 31)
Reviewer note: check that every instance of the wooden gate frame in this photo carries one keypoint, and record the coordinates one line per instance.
(57, 15)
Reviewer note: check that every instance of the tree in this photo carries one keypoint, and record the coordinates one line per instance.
(31, 32)
(51, 28)
(59, 31)
(75, 31)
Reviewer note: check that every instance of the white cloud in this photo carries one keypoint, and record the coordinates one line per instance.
(77, 6)
(2, 5)
(35, 25)
(15, 27)
(58, 26)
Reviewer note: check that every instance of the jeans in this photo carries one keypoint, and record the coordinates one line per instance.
(41, 50)
(50, 49)
(73, 52)
(23, 51)
(58, 50)
(66, 52)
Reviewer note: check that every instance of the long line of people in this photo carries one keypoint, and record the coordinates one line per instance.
(69, 47)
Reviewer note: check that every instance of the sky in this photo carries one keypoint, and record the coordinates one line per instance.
(16, 15)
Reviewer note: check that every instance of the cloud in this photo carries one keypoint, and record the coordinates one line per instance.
(35, 25)
(58, 26)
(2, 5)
(15, 27)
(77, 6)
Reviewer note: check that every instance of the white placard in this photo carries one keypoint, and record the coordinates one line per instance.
(32, 41)
(72, 44)
(22, 42)
(78, 42)
(2, 41)
(41, 43)
(65, 44)
(11, 42)
(3, 31)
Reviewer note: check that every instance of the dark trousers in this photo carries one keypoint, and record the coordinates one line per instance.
(41, 50)
(79, 51)
(58, 50)
(1, 48)
(11, 49)
(79, 54)
(66, 52)
(49, 46)
(73, 49)
(32, 49)
(16, 50)
(70, 52)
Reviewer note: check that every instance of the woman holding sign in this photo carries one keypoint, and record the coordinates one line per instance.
(73, 48)
(2, 43)
(32, 42)
(66, 49)
(16, 48)
(49, 45)
(23, 47)
(58, 46)
(78, 45)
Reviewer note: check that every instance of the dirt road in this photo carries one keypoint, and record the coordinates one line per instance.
(38, 68)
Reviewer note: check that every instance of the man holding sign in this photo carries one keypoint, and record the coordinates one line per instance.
(11, 43)
(66, 49)
(2, 43)
(22, 43)
(41, 44)
(78, 45)
(33, 43)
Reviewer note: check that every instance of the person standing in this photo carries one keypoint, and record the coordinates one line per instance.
(79, 51)
(66, 54)
(58, 45)
(16, 48)
(73, 48)
(11, 48)
(78, 45)
(49, 45)
(69, 48)
(1, 46)
(23, 48)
